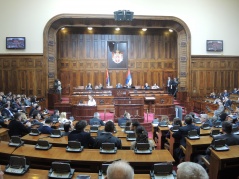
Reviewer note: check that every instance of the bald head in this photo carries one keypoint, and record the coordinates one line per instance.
(120, 170)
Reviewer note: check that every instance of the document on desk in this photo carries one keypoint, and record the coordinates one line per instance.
(155, 124)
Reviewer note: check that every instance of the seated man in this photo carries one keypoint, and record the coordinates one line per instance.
(146, 86)
(219, 110)
(125, 119)
(89, 86)
(228, 103)
(119, 85)
(55, 116)
(96, 120)
(182, 133)
(189, 170)
(46, 128)
(204, 119)
(231, 139)
(81, 136)
(6, 111)
(107, 137)
(67, 129)
(36, 119)
(120, 170)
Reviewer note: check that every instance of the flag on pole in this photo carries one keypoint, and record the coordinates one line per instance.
(128, 81)
(107, 78)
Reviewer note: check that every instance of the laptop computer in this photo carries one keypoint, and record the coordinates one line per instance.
(56, 133)
(175, 128)
(17, 166)
(131, 136)
(142, 148)
(108, 148)
(206, 126)
(34, 132)
(163, 171)
(43, 145)
(94, 128)
(61, 170)
(15, 141)
(193, 135)
(74, 146)
(220, 145)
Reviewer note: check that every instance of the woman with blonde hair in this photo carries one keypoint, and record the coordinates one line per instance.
(62, 119)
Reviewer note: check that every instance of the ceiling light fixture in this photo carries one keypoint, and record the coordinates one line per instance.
(144, 29)
(170, 30)
(90, 28)
(117, 29)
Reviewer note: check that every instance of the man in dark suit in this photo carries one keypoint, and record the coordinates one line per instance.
(146, 86)
(124, 120)
(55, 116)
(89, 86)
(7, 111)
(16, 128)
(107, 137)
(230, 139)
(228, 103)
(96, 120)
(225, 94)
(182, 133)
(81, 136)
(46, 128)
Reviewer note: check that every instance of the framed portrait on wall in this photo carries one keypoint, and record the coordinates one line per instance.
(117, 54)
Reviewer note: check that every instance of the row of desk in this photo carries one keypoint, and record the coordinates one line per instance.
(218, 160)
(89, 160)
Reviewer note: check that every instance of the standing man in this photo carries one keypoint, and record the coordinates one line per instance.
(169, 85)
(175, 87)
(58, 88)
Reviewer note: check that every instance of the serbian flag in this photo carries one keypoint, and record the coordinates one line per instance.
(107, 78)
(128, 79)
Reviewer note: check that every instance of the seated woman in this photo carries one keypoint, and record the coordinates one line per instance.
(91, 101)
(141, 137)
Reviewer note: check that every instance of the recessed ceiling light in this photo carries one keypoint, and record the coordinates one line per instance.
(144, 29)
(117, 28)
(170, 30)
(90, 28)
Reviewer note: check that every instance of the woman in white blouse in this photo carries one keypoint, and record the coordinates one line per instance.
(91, 101)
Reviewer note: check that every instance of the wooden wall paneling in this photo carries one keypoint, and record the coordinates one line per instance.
(34, 86)
(96, 43)
(14, 81)
(74, 46)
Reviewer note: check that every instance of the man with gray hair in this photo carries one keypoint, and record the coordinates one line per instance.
(120, 170)
(96, 120)
(189, 170)
(204, 119)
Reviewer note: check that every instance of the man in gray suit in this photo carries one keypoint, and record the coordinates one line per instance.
(219, 110)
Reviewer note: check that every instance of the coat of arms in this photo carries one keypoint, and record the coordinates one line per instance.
(117, 56)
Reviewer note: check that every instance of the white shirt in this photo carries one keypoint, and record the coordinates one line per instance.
(91, 102)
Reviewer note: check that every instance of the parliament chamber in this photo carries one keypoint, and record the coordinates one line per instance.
(62, 47)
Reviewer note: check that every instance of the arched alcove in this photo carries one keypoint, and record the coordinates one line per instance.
(84, 20)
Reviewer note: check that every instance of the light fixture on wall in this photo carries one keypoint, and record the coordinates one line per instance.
(144, 29)
(170, 30)
(89, 28)
(123, 15)
(117, 29)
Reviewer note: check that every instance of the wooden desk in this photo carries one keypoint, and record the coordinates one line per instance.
(90, 159)
(5, 151)
(4, 134)
(193, 146)
(223, 160)
(161, 135)
(43, 174)
(62, 141)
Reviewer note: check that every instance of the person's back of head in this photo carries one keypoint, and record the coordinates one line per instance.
(177, 121)
(188, 119)
(120, 170)
(17, 115)
(227, 127)
(223, 116)
(80, 126)
(48, 121)
(109, 126)
(67, 127)
(141, 135)
(189, 170)
(127, 115)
